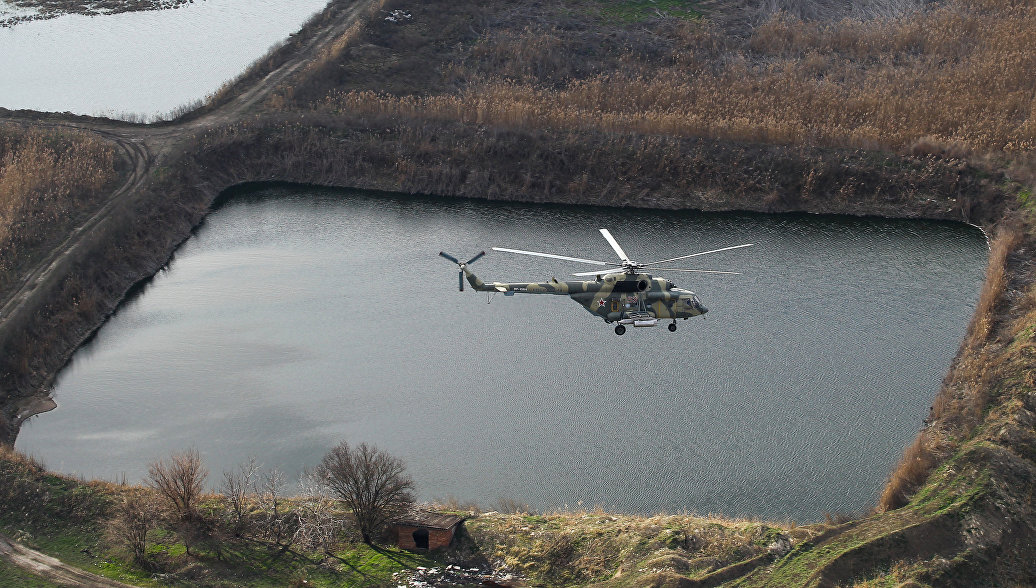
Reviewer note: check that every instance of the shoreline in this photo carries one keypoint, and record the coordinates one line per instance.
(975, 456)
(202, 185)
(933, 371)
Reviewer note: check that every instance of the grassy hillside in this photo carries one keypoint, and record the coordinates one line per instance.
(262, 539)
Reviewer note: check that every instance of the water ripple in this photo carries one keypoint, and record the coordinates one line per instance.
(292, 321)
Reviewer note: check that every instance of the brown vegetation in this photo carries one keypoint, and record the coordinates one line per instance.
(547, 102)
(440, 157)
(179, 481)
(941, 77)
(562, 549)
(48, 178)
(373, 483)
(963, 400)
(135, 518)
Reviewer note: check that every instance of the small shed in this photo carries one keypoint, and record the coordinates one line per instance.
(426, 530)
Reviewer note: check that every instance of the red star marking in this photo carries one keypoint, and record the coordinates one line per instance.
(600, 302)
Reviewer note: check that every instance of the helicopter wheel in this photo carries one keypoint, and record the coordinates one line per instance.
(619, 329)
(672, 327)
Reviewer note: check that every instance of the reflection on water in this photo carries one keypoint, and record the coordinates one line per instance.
(146, 63)
(293, 320)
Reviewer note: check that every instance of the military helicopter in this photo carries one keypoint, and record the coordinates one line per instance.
(623, 293)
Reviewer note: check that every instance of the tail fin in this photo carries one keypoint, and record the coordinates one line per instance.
(475, 282)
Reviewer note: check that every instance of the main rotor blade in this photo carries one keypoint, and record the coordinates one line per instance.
(600, 272)
(615, 244)
(593, 261)
(449, 257)
(677, 269)
(697, 254)
(474, 259)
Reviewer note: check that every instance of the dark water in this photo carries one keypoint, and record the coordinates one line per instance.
(296, 319)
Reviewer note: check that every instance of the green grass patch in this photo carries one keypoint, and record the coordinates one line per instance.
(1025, 199)
(12, 577)
(948, 490)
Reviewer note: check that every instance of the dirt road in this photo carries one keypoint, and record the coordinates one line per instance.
(143, 148)
(51, 569)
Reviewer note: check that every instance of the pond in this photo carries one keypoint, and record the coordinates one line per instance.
(139, 64)
(297, 318)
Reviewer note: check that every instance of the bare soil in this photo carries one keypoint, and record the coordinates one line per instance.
(51, 569)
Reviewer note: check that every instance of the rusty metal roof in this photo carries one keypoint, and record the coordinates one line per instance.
(432, 520)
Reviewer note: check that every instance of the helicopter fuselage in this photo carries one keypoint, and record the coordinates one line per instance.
(615, 297)
(622, 294)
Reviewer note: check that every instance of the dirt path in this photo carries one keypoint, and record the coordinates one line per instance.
(51, 569)
(50, 271)
(142, 148)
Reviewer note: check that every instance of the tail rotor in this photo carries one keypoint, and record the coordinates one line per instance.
(460, 274)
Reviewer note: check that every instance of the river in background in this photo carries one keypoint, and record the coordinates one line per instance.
(296, 318)
(142, 64)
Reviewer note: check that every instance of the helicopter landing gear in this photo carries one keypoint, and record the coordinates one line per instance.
(619, 329)
(672, 327)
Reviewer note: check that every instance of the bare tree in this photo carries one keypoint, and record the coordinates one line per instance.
(316, 527)
(274, 521)
(373, 483)
(237, 487)
(318, 524)
(180, 481)
(134, 518)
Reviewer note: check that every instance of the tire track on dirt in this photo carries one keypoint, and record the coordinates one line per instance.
(51, 569)
(48, 272)
(143, 145)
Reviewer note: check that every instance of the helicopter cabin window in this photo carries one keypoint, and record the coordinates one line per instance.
(630, 286)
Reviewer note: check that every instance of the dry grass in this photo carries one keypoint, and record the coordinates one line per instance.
(946, 76)
(47, 180)
(582, 547)
(133, 245)
(980, 368)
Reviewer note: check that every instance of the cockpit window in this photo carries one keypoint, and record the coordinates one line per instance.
(669, 284)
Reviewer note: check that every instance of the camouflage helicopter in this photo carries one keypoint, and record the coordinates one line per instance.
(623, 293)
